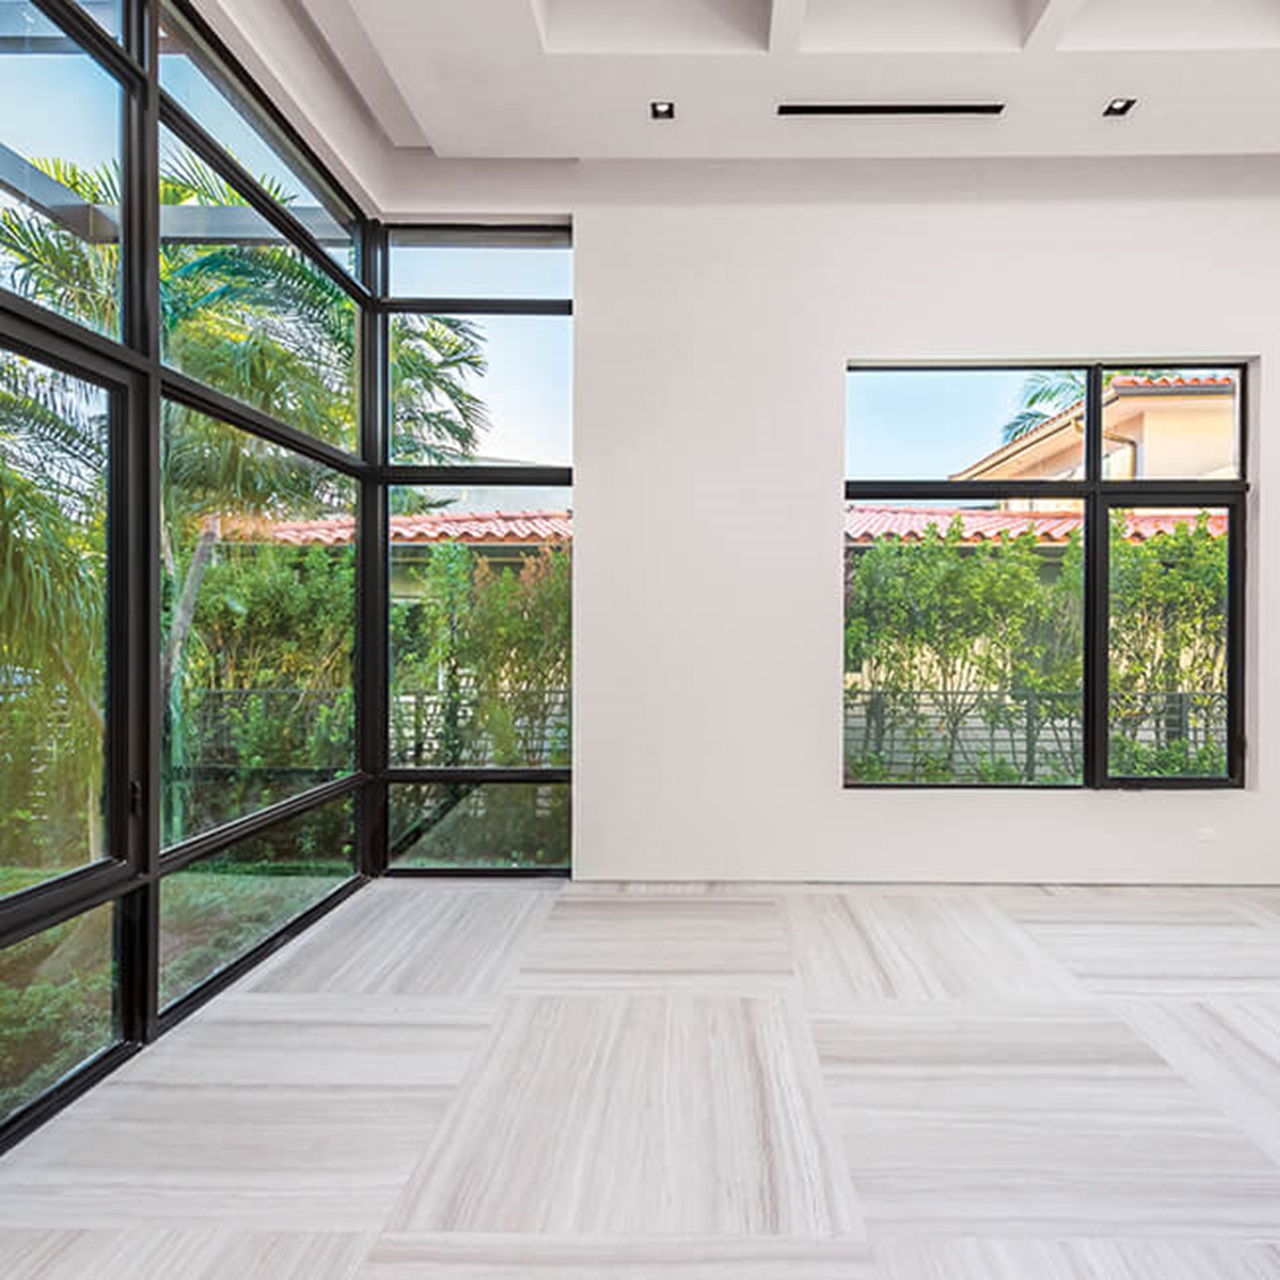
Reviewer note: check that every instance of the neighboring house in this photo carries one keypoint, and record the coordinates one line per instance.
(499, 535)
(1169, 428)
(866, 522)
(1184, 428)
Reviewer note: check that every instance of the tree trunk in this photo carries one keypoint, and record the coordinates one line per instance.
(184, 611)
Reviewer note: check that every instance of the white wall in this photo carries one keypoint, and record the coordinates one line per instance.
(712, 339)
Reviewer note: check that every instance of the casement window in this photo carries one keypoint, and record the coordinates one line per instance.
(1044, 576)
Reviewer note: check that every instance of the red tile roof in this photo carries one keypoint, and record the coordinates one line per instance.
(1128, 380)
(488, 527)
(864, 523)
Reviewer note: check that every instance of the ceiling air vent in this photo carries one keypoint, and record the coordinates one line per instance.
(890, 108)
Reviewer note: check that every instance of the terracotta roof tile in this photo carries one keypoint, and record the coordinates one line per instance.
(1128, 380)
(865, 523)
(489, 527)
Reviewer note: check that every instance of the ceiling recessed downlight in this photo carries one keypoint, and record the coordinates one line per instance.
(662, 110)
(1118, 108)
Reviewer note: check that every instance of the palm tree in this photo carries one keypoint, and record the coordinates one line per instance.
(259, 322)
(1049, 392)
(52, 581)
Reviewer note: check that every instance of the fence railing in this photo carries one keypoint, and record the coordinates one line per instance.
(984, 735)
(284, 729)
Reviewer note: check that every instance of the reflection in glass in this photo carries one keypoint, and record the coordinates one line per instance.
(59, 173)
(106, 13)
(480, 826)
(57, 1005)
(214, 910)
(1169, 583)
(1171, 424)
(964, 644)
(481, 593)
(248, 314)
(192, 76)
(54, 448)
(472, 389)
(258, 623)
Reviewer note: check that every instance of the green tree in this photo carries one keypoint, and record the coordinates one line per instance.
(259, 322)
(934, 627)
(1168, 649)
(1049, 392)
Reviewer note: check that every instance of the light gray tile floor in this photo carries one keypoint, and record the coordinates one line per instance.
(463, 1080)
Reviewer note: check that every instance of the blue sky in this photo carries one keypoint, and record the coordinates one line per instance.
(925, 424)
(529, 387)
(528, 390)
(59, 105)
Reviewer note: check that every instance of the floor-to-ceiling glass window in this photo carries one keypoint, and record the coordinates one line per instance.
(183, 321)
(480, 533)
(286, 523)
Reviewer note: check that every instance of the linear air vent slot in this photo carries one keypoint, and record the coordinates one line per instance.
(890, 108)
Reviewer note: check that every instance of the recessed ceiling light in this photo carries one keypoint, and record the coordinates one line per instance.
(662, 110)
(1119, 107)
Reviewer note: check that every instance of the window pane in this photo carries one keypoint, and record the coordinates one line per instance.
(192, 76)
(964, 644)
(1168, 645)
(480, 626)
(490, 825)
(1171, 424)
(57, 1005)
(482, 389)
(432, 263)
(54, 448)
(106, 13)
(59, 172)
(258, 623)
(215, 910)
(248, 314)
(965, 424)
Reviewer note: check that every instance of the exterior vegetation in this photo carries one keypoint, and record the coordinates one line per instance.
(963, 663)
(481, 676)
(257, 637)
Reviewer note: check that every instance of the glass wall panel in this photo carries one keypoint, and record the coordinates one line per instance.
(482, 826)
(108, 14)
(192, 76)
(1171, 424)
(1169, 593)
(436, 262)
(964, 644)
(481, 626)
(60, 172)
(248, 314)
(482, 389)
(258, 623)
(965, 424)
(214, 910)
(57, 1005)
(54, 448)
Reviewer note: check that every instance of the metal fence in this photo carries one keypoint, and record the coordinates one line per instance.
(478, 727)
(990, 735)
(279, 729)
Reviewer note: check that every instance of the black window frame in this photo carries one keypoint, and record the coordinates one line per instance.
(455, 474)
(132, 368)
(1099, 497)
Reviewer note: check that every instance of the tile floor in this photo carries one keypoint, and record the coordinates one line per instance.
(501, 1081)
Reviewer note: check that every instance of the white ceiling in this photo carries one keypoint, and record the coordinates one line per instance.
(573, 79)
